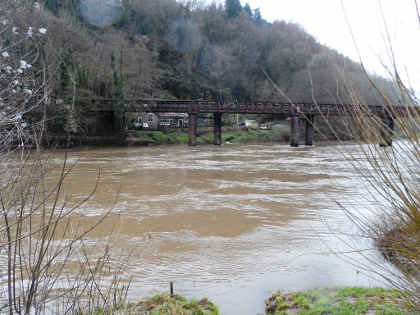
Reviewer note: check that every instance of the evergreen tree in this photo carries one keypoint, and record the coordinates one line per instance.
(65, 64)
(73, 6)
(52, 5)
(118, 94)
(56, 5)
(233, 8)
(82, 75)
(248, 10)
(258, 17)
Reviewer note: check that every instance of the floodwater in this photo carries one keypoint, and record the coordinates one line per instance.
(232, 223)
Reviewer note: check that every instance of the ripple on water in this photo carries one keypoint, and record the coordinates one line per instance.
(220, 220)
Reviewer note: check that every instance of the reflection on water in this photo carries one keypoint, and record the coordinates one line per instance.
(232, 223)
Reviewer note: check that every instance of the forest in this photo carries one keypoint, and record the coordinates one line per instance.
(183, 50)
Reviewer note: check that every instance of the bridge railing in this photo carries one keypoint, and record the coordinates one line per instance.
(201, 106)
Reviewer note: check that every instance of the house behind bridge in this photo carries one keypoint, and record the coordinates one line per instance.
(159, 121)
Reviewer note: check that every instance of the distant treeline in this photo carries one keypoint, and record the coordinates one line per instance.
(190, 49)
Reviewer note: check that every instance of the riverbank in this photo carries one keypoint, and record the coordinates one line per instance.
(173, 304)
(278, 134)
(345, 300)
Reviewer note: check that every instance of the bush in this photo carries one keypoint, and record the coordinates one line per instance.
(37, 237)
(393, 183)
(347, 300)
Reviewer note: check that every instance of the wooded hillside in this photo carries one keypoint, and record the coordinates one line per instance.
(187, 50)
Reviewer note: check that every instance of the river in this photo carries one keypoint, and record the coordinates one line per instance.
(232, 223)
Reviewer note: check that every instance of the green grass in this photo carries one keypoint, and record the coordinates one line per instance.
(164, 304)
(179, 137)
(277, 134)
(340, 301)
(160, 137)
(206, 138)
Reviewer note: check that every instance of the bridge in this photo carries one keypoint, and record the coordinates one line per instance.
(296, 111)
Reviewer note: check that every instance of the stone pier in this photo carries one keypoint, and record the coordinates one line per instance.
(217, 117)
(309, 130)
(294, 131)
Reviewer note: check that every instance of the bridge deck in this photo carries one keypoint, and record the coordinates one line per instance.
(199, 106)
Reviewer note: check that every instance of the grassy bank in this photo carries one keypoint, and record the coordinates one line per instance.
(176, 304)
(277, 134)
(164, 304)
(347, 300)
(400, 244)
(326, 301)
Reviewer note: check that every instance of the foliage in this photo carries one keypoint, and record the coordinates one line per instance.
(38, 239)
(21, 72)
(258, 17)
(391, 175)
(247, 9)
(184, 49)
(56, 5)
(118, 94)
(165, 304)
(159, 137)
(277, 134)
(389, 167)
(392, 179)
(347, 300)
(233, 8)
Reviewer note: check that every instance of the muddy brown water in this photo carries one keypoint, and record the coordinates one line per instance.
(232, 223)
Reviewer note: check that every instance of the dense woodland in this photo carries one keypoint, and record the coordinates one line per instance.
(184, 50)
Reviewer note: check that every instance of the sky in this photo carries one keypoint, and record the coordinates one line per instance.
(332, 23)
(355, 28)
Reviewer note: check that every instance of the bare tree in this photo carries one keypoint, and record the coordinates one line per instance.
(37, 237)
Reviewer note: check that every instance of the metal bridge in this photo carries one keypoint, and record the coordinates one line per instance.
(296, 111)
(200, 106)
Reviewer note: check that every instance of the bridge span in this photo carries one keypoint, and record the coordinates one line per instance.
(296, 111)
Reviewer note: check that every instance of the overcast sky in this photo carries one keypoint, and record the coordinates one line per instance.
(326, 20)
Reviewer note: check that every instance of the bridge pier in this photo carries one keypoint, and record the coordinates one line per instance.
(192, 129)
(387, 129)
(309, 131)
(217, 117)
(294, 131)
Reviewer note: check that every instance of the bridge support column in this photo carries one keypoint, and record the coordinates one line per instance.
(217, 117)
(192, 129)
(309, 131)
(294, 131)
(387, 129)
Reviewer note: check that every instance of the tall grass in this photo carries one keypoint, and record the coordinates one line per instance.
(388, 160)
(392, 173)
(392, 176)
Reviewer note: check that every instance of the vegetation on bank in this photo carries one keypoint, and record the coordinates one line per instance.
(346, 300)
(164, 304)
(277, 134)
(391, 175)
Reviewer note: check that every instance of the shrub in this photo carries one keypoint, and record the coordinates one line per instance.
(37, 237)
(392, 174)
